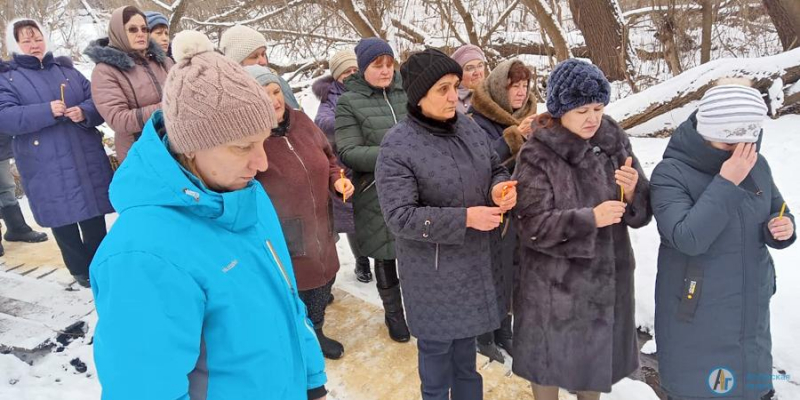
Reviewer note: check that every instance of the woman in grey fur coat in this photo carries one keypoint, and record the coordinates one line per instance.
(574, 305)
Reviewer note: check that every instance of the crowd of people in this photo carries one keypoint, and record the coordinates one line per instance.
(490, 227)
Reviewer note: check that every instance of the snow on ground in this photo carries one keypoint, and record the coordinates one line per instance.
(54, 377)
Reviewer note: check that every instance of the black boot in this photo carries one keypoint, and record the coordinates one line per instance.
(503, 337)
(18, 230)
(82, 280)
(389, 290)
(331, 349)
(487, 347)
(363, 273)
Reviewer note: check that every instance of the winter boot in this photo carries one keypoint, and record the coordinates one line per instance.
(503, 337)
(83, 280)
(487, 347)
(331, 349)
(2, 250)
(389, 290)
(363, 273)
(18, 230)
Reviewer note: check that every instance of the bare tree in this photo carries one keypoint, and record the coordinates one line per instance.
(546, 18)
(785, 15)
(604, 30)
(708, 25)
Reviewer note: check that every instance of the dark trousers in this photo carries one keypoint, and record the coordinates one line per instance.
(316, 301)
(447, 370)
(78, 243)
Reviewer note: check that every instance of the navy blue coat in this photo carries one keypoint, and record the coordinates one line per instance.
(713, 233)
(452, 277)
(64, 168)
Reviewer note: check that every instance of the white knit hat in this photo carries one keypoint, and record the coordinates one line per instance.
(239, 41)
(731, 114)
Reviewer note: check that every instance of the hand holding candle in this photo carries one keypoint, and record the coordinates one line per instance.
(344, 186)
(627, 177)
(508, 200)
(781, 228)
(63, 85)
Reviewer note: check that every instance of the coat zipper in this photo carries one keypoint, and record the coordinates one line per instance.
(280, 266)
(436, 263)
(385, 97)
(313, 198)
(288, 282)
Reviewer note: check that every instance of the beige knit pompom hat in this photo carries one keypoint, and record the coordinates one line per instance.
(210, 100)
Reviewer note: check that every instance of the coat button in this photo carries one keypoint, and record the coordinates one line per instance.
(533, 238)
(424, 235)
(35, 142)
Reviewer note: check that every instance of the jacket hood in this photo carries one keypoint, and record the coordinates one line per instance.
(150, 176)
(322, 86)
(357, 83)
(572, 148)
(100, 51)
(687, 146)
(11, 43)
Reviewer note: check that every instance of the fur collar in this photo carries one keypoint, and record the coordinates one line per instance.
(573, 149)
(99, 51)
(483, 104)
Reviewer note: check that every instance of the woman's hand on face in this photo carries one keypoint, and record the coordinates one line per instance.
(58, 108)
(345, 187)
(507, 200)
(627, 177)
(781, 228)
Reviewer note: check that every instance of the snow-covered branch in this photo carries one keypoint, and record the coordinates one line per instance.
(416, 34)
(262, 17)
(162, 5)
(487, 37)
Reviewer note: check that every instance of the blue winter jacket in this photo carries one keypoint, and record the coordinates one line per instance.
(64, 167)
(195, 291)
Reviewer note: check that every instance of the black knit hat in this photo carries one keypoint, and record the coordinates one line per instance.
(422, 70)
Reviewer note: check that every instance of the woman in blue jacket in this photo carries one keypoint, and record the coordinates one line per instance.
(196, 269)
(718, 210)
(46, 105)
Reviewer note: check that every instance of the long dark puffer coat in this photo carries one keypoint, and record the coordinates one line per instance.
(428, 174)
(574, 305)
(715, 234)
(363, 115)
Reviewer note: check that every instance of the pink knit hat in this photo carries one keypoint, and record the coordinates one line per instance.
(467, 53)
(209, 99)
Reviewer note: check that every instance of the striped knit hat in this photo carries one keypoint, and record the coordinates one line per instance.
(731, 114)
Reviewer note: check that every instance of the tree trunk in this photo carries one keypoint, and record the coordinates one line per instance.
(785, 15)
(546, 19)
(708, 22)
(175, 18)
(665, 24)
(602, 28)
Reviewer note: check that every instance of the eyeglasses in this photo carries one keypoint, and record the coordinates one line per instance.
(134, 30)
(472, 68)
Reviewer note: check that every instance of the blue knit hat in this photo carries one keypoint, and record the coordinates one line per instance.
(155, 19)
(368, 49)
(575, 83)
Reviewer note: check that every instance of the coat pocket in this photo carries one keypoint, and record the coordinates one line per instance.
(293, 233)
(690, 295)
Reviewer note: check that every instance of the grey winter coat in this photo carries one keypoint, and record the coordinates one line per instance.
(715, 234)
(574, 304)
(428, 174)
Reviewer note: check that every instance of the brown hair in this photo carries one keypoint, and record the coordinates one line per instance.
(190, 165)
(518, 72)
(544, 120)
(129, 12)
(26, 25)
